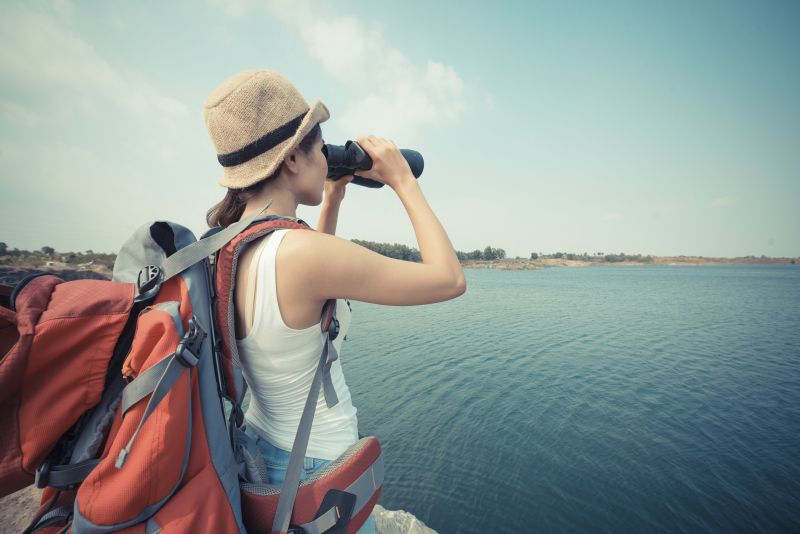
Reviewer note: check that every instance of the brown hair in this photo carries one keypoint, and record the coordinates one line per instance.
(230, 209)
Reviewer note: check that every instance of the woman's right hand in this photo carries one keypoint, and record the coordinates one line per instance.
(388, 164)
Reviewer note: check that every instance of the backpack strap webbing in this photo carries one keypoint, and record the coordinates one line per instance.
(283, 512)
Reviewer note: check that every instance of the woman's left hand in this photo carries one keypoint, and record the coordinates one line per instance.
(334, 189)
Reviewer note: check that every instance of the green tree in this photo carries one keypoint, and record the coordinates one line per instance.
(3, 248)
(534, 256)
(48, 250)
(395, 250)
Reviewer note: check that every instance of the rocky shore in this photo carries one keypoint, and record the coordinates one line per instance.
(17, 509)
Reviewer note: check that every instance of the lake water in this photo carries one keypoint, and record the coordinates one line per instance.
(603, 399)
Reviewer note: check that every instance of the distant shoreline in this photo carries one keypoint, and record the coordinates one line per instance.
(520, 264)
(101, 270)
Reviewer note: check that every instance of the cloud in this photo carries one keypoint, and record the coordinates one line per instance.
(611, 216)
(54, 74)
(63, 174)
(390, 95)
(406, 102)
(14, 113)
(722, 201)
(72, 124)
(235, 9)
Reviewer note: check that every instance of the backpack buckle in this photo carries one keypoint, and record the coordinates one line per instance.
(238, 414)
(333, 329)
(148, 278)
(191, 343)
(42, 474)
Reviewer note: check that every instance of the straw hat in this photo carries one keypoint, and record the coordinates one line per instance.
(255, 118)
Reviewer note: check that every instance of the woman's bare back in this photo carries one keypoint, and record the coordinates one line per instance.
(298, 309)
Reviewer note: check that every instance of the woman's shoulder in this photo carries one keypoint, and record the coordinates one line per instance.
(300, 248)
(286, 238)
(311, 256)
(299, 305)
(302, 243)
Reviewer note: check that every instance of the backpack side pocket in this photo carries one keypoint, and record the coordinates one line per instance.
(149, 454)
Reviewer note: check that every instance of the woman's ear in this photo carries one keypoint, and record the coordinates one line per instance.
(290, 162)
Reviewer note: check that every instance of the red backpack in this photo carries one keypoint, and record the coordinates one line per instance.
(122, 399)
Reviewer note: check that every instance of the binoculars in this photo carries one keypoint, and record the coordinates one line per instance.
(351, 158)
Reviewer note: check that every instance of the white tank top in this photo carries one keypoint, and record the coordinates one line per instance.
(279, 362)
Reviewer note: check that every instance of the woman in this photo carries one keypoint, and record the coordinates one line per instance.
(269, 141)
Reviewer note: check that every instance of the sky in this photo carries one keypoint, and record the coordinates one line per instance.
(661, 128)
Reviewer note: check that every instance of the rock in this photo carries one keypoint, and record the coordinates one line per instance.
(17, 509)
(398, 522)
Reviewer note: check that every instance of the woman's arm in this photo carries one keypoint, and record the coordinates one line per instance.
(326, 266)
(328, 216)
(334, 194)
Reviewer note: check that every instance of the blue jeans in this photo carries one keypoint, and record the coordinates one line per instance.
(277, 461)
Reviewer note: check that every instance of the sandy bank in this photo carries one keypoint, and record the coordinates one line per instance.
(513, 264)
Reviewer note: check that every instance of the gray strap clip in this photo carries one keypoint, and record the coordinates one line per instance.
(189, 346)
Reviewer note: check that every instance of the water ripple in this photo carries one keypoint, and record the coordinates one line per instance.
(606, 400)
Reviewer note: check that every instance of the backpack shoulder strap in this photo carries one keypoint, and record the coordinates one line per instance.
(224, 281)
(197, 251)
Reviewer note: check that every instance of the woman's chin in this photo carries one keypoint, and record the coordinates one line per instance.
(314, 200)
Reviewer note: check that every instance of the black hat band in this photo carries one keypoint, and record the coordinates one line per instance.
(261, 145)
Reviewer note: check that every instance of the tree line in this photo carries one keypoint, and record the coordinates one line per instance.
(393, 250)
(404, 252)
(15, 256)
